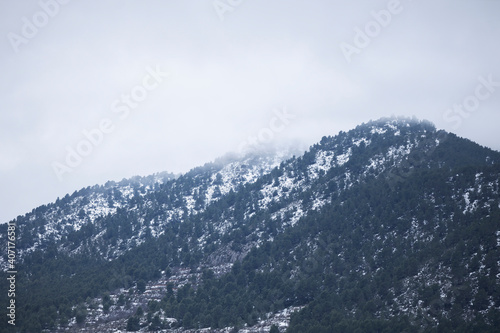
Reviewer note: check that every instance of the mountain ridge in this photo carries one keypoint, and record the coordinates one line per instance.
(230, 213)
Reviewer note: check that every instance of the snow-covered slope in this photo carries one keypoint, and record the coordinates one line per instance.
(172, 197)
(222, 212)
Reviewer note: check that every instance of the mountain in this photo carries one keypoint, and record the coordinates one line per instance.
(390, 227)
(116, 217)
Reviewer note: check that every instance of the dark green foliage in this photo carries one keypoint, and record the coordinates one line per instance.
(141, 286)
(274, 329)
(80, 314)
(133, 324)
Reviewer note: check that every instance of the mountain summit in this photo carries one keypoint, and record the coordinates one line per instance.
(391, 226)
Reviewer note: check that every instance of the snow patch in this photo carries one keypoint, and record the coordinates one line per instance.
(344, 158)
(378, 130)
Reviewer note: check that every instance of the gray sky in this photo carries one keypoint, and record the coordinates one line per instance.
(273, 70)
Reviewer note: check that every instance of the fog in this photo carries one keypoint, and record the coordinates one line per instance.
(96, 91)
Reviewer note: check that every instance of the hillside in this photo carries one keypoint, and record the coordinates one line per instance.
(390, 227)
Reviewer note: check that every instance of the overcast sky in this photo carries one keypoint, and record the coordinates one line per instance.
(138, 87)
